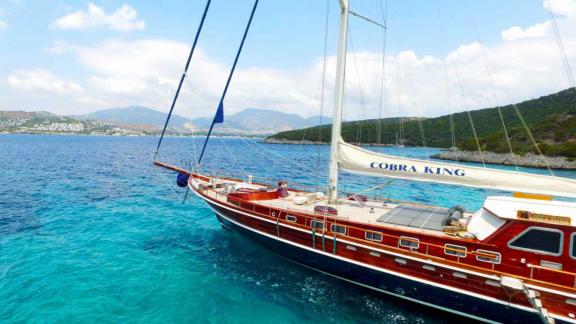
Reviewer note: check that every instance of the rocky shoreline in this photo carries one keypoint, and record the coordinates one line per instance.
(283, 141)
(305, 142)
(527, 160)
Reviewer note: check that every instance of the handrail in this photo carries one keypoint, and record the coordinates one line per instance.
(550, 269)
(395, 249)
(297, 185)
(533, 266)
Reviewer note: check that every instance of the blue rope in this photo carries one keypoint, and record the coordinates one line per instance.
(183, 76)
(219, 116)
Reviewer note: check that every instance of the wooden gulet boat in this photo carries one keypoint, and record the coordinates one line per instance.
(514, 260)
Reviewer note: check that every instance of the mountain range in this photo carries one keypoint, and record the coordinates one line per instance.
(143, 120)
(249, 120)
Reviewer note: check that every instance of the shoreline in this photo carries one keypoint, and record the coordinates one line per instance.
(528, 160)
(129, 135)
(305, 142)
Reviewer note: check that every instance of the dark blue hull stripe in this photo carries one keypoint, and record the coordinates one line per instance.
(412, 290)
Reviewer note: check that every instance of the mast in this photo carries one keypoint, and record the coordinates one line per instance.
(338, 103)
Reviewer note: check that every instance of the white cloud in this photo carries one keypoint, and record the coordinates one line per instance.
(123, 19)
(535, 31)
(41, 80)
(561, 7)
(2, 25)
(524, 65)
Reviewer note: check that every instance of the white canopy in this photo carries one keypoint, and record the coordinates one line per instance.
(361, 161)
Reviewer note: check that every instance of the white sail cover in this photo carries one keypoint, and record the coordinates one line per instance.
(357, 160)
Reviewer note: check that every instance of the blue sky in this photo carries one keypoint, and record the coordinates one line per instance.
(284, 48)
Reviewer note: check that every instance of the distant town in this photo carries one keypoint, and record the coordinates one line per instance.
(142, 121)
(46, 123)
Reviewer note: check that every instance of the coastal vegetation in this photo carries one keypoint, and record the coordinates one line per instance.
(551, 120)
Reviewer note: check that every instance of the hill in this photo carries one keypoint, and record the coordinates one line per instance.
(263, 121)
(137, 115)
(551, 119)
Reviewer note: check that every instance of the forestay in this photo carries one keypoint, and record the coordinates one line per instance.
(361, 161)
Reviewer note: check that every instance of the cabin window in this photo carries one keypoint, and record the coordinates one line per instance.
(317, 224)
(373, 236)
(338, 229)
(573, 246)
(539, 240)
(291, 218)
(551, 265)
(488, 256)
(409, 242)
(455, 250)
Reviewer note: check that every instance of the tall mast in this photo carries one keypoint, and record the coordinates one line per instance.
(338, 103)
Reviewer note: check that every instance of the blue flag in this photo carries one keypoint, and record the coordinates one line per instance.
(219, 117)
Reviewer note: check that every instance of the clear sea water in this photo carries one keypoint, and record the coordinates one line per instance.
(90, 231)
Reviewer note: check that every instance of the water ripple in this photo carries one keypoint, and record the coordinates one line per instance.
(90, 231)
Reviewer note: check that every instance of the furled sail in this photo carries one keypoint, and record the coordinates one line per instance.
(357, 160)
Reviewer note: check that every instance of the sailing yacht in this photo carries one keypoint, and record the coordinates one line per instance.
(513, 260)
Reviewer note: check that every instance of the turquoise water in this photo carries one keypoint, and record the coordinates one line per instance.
(90, 231)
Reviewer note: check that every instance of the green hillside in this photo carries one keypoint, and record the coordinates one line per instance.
(550, 118)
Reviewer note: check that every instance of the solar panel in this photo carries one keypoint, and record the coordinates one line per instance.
(418, 217)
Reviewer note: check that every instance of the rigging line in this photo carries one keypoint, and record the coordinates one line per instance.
(519, 113)
(316, 95)
(446, 79)
(172, 192)
(322, 96)
(183, 76)
(560, 45)
(476, 138)
(195, 151)
(521, 117)
(260, 152)
(291, 161)
(419, 120)
(233, 157)
(383, 98)
(383, 26)
(492, 87)
(219, 116)
(361, 89)
(400, 140)
(470, 119)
